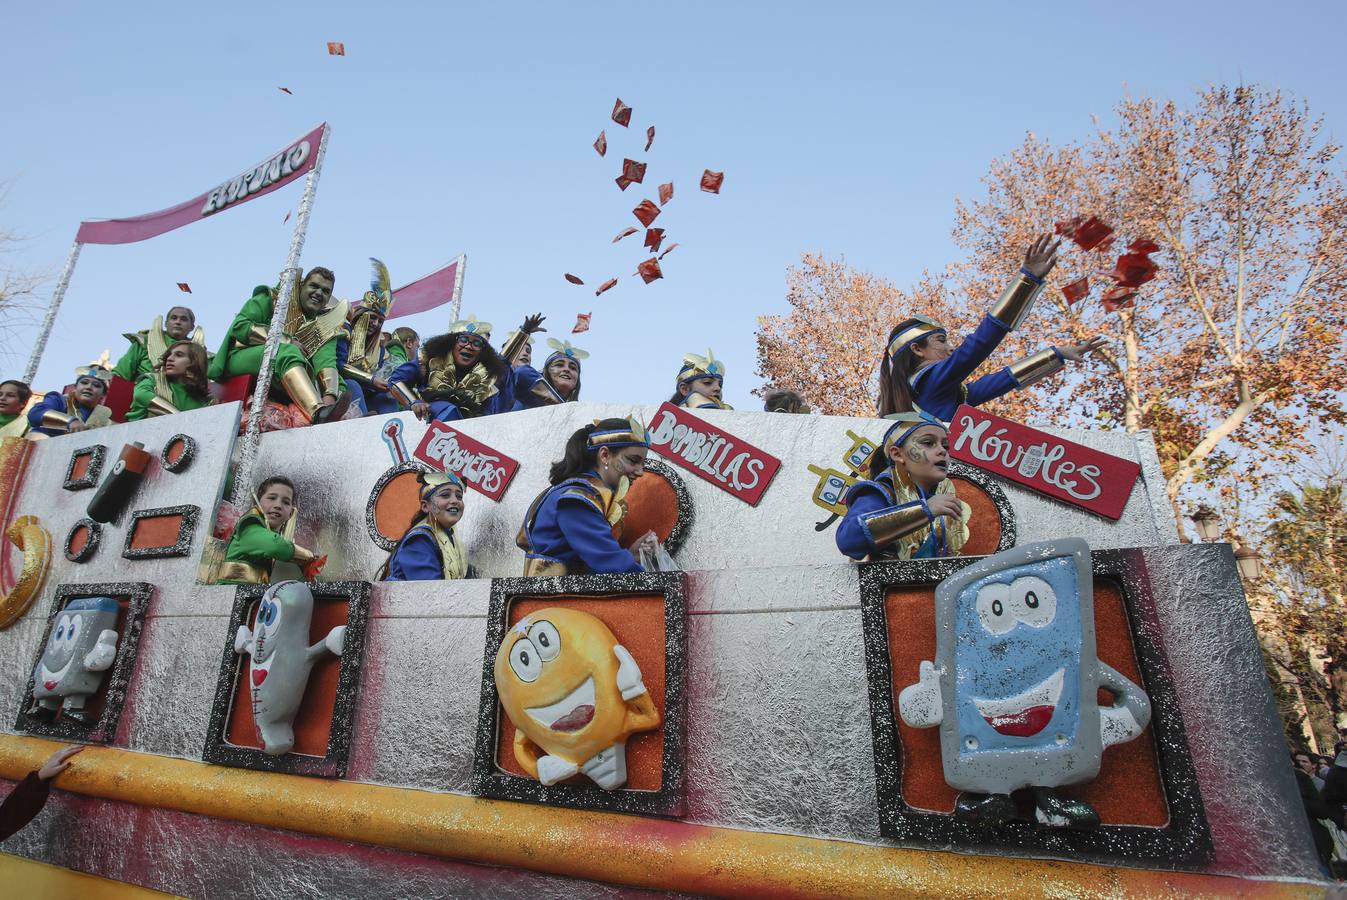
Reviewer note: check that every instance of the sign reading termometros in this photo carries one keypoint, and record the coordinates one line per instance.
(731, 464)
(449, 450)
(1050, 465)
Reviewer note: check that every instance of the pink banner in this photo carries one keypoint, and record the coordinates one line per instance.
(436, 289)
(278, 170)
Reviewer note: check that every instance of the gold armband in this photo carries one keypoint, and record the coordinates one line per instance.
(1016, 301)
(237, 570)
(887, 525)
(406, 394)
(330, 381)
(1035, 368)
(160, 407)
(514, 347)
(357, 374)
(303, 556)
(56, 420)
(544, 568)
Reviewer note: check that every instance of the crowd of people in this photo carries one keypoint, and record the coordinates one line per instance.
(1323, 789)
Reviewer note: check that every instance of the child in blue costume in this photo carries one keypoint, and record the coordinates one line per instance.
(568, 529)
(429, 551)
(921, 370)
(461, 375)
(559, 381)
(907, 510)
(701, 381)
(79, 410)
(361, 357)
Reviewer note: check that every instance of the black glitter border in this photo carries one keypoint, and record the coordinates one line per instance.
(118, 679)
(488, 781)
(389, 474)
(189, 449)
(97, 454)
(333, 765)
(90, 547)
(686, 511)
(1184, 843)
(186, 531)
(989, 486)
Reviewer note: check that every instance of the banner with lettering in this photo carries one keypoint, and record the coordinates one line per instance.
(279, 169)
(484, 470)
(731, 464)
(1074, 473)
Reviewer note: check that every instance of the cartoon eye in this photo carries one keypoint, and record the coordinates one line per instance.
(74, 627)
(545, 637)
(992, 606)
(1033, 600)
(524, 661)
(60, 632)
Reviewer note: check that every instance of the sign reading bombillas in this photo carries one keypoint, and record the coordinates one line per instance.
(298, 158)
(731, 464)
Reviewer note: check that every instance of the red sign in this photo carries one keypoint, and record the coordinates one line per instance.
(1050, 465)
(731, 464)
(483, 469)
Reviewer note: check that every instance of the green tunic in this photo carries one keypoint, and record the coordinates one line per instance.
(136, 361)
(257, 545)
(144, 394)
(231, 360)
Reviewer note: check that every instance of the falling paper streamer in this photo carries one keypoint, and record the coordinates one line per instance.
(286, 90)
(1143, 245)
(621, 113)
(287, 217)
(336, 48)
(649, 270)
(601, 143)
(625, 232)
(667, 250)
(665, 193)
(184, 287)
(1119, 298)
(1076, 289)
(581, 322)
(647, 212)
(653, 238)
(1134, 269)
(1086, 234)
(623, 182)
(633, 171)
(573, 279)
(711, 181)
(649, 138)
(605, 286)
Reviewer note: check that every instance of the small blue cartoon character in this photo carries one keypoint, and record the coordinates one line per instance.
(1015, 694)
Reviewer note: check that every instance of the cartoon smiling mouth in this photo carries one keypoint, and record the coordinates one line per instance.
(570, 713)
(1025, 714)
(50, 679)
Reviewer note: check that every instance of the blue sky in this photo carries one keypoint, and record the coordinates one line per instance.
(844, 129)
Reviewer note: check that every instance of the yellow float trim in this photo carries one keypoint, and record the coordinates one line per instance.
(628, 850)
(33, 880)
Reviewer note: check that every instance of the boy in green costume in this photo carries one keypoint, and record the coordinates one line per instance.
(265, 535)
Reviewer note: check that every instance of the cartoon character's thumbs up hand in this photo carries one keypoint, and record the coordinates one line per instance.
(629, 680)
(921, 704)
(103, 653)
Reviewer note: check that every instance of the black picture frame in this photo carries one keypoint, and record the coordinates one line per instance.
(371, 526)
(118, 678)
(487, 778)
(90, 546)
(1184, 843)
(686, 511)
(97, 454)
(186, 531)
(184, 462)
(218, 750)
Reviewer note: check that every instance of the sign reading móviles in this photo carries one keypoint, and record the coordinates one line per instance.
(1074, 473)
(484, 470)
(731, 464)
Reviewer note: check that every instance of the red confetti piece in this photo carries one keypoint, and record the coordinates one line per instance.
(1090, 233)
(653, 238)
(1106, 243)
(667, 250)
(711, 181)
(1076, 289)
(572, 279)
(287, 217)
(1134, 270)
(649, 270)
(605, 286)
(1066, 226)
(1119, 298)
(286, 90)
(1143, 245)
(623, 182)
(601, 143)
(625, 232)
(581, 322)
(633, 171)
(647, 212)
(665, 193)
(621, 113)
(184, 287)
(649, 138)
(336, 48)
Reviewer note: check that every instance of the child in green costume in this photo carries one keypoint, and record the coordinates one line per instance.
(265, 536)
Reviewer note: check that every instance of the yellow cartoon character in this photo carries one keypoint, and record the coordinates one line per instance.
(574, 695)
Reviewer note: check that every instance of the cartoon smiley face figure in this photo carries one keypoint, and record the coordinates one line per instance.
(82, 647)
(574, 695)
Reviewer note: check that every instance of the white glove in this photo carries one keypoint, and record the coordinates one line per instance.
(920, 704)
(243, 638)
(628, 674)
(103, 653)
(336, 640)
(552, 769)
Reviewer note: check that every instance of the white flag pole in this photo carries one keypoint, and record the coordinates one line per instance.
(243, 475)
(47, 323)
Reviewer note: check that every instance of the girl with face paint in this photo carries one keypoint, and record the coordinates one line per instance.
(907, 510)
(558, 382)
(429, 550)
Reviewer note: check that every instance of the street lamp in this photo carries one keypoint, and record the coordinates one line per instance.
(1247, 561)
(1207, 522)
